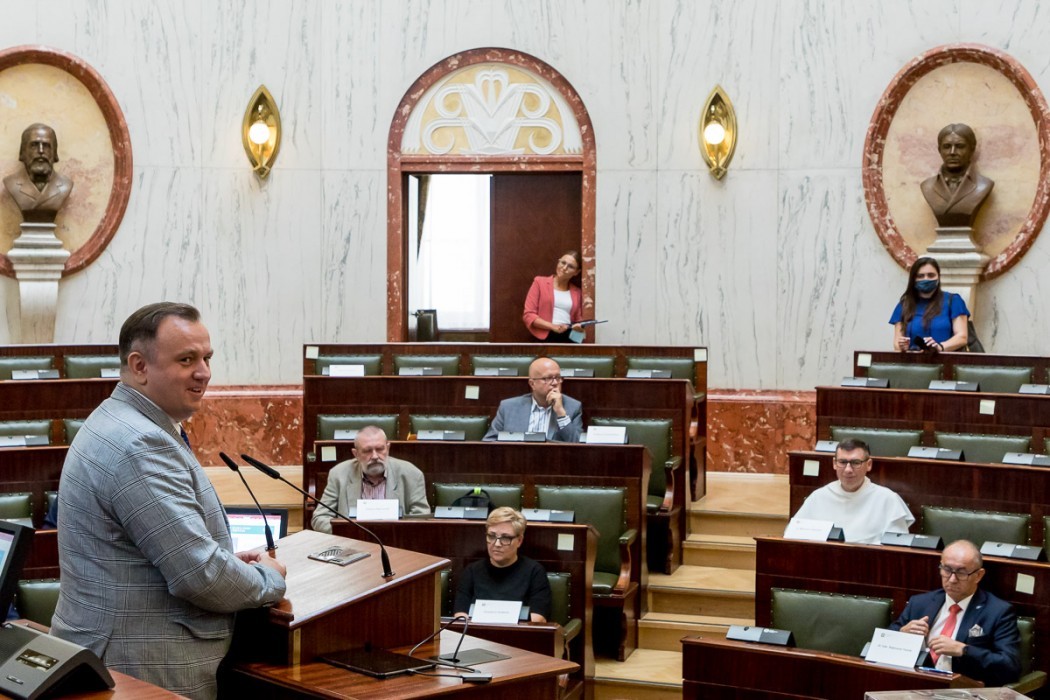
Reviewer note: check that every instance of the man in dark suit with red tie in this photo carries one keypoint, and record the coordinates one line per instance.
(968, 630)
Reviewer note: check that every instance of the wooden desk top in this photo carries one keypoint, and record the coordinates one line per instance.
(318, 679)
(127, 688)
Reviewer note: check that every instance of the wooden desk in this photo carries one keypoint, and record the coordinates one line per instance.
(889, 572)
(32, 469)
(950, 360)
(721, 669)
(524, 676)
(998, 487)
(36, 399)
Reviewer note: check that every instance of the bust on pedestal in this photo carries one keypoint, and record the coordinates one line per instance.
(37, 254)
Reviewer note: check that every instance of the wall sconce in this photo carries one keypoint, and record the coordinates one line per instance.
(718, 132)
(261, 131)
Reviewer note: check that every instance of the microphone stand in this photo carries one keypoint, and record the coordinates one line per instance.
(270, 546)
(274, 474)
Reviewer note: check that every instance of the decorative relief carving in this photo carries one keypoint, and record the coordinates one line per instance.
(492, 109)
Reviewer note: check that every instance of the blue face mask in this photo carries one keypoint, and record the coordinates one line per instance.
(926, 286)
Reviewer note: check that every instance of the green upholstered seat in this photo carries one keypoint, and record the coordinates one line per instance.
(882, 443)
(327, 424)
(1046, 531)
(561, 609)
(448, 364)
(829, 621)
(978, 526)
(989, 449)
(51, 497)
(16, 505)
(679, 367)
(1046, 446)
(35, 599)
(21, 428)
(604, 509)
(517, 362)
(1002, 380)
(473, 427)
(72, 426)
(655, 434)
(89, 366)
(373, 363)
(500, 494)
(912, 375)
(1030, 679)
(10, 364)
(602, 366)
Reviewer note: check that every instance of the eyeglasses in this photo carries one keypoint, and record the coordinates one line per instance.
(567, 265)
(501, 540)
(960, 575)
(843, 463)
(556, 379)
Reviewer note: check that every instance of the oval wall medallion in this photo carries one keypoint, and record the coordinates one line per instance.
(994, 94)
(41, 84)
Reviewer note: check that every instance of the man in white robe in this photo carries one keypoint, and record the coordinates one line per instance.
(863, 509)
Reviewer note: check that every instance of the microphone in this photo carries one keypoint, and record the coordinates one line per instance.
(270, 546)
(274, 474)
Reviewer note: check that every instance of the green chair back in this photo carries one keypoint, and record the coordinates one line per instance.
(604, 509)
(35, 599)
(10, 364)
(72, 426)
(602, 366)
(952, 524)
(906, 376)
(829, 621)
(882, 443)
(446, 593)
(89, 366)
(1002, 380)
(988, 449)
(517, 362)
(679, 367)
(373, 363)
(560, 586)
(473, 427)
(655, 434)
(508, 495)
(21, 428)
(448, 364)
(327, 424)
(16, 505)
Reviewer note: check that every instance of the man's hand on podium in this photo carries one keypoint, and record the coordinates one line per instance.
(256, 556)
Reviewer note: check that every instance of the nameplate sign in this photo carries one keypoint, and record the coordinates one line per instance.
(510, 436)
(577, 372)
(460, 513)
(949, 385)
(419, 372)
(344, 434)
(546, 515)
(920, 452)
(1034, 389)
(826, 446)
(899, 649)
(500, 612)
(1026, 458)
(448, 435)
(913, 540)
(345, 371)
(607, 435)
(648, 374)
(761, 635)
(23, 441)
(1012, 551)
(377, 508)
(34, 374)
(808, 530)
(109, 373)
(495, 372)
(868, 382)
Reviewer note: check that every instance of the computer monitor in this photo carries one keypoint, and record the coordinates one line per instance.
(15, 540)
(246, 526)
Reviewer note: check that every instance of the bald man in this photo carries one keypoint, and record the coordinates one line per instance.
(544, 410)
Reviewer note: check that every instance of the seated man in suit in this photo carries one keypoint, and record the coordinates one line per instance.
(372, 473)
(545, 410)
(864, 510)
(969, 631)
(505, 575)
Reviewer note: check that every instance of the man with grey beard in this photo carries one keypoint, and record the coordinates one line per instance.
(372, 473)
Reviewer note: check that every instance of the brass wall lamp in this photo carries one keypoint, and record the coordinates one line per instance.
(718, 132)
(261, 132)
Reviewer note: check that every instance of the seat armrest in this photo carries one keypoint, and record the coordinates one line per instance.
(571, 629)
(624, 580)
(1028, 683)
(670, 466)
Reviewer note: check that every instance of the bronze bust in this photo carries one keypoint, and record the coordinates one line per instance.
(957, 191)
(38, 190)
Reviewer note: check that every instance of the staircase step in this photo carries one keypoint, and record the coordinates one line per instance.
(707, 522)
(724, 551)
(704, 590)
(665, 630)
(647, 674)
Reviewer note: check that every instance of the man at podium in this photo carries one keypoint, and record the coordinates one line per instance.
(149, 580)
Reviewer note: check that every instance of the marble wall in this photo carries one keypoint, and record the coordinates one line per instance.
(776, 269)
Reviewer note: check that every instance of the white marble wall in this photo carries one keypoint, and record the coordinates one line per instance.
(776, 268)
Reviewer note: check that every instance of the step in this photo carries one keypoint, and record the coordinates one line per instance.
(664, 631)
(705, 522)
(738, 492)
(704, 590)
(647, 674)
(725, 551)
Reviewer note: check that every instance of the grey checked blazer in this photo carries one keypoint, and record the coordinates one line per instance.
(149, 582)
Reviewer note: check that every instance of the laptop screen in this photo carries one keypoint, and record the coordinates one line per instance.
(246, 526)
(15, 541)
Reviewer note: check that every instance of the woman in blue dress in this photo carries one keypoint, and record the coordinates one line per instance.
(927, 314)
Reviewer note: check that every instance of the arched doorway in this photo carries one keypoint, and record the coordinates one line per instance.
(510, 115)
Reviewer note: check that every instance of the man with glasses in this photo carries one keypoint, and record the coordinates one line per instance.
(968, 630)
(545, 410)
(505, 575)
(863, 509)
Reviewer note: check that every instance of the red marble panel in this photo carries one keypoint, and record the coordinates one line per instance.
(752, 431)
(263, 421)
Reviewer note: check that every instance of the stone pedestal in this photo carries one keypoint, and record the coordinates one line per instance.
(960, 260)
(38, 258)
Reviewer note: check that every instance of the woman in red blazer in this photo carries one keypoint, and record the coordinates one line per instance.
(554, 306)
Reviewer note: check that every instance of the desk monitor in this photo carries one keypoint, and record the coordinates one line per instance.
(15, 539)
(246, 526)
